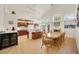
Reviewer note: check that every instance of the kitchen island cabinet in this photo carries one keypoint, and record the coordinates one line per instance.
(36, 35)
(8, 39)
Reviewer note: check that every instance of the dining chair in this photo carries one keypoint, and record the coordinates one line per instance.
(47, 42)
(61, 38)
(55, 40)
(43, 37)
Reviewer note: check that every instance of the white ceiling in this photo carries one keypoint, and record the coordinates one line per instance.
(40, 11)
(28, 8)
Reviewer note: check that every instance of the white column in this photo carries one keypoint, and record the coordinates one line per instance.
(30, 29)
(30, 35)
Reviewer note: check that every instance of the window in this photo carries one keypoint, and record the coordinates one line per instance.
(69, 20)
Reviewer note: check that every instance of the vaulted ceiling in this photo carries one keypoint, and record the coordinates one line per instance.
(40, 11)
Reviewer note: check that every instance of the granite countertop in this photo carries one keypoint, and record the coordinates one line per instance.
(3, 32)
(34, 30)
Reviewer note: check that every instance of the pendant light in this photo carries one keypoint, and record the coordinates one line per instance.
(13, 12)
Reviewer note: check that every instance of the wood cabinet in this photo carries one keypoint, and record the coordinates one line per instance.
(8, 39)
(36, 35)
(23, 32)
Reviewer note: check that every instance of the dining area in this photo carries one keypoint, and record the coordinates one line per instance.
(42, 28)
(52, 39)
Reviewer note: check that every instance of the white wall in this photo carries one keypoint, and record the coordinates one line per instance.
(9, 17)
(70, 33)
(5, 17)
(1, 17)
(77, 38)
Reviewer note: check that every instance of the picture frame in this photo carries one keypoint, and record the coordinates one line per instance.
(11, 22)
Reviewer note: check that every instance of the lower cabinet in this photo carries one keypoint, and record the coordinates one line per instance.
(8, 39)
(4, 40)
(36, 35)
(13, 39)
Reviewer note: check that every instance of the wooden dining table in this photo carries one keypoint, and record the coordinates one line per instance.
(55, 38)
(52, 38)
(53, 35)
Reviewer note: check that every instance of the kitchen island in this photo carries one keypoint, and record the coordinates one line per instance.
(34, 34)
(8, 39)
